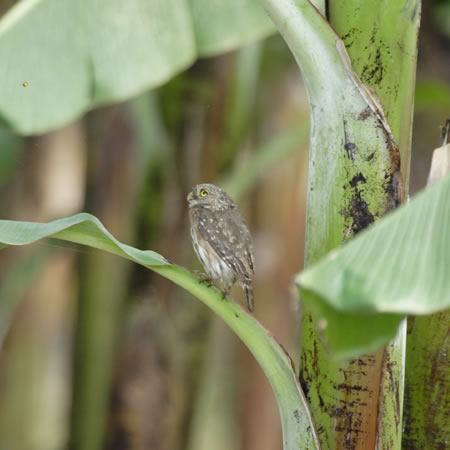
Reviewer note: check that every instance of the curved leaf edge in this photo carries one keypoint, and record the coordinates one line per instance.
(365, 333)
(333, 277)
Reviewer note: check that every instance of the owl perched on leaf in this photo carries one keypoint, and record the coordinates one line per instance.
(221, 239)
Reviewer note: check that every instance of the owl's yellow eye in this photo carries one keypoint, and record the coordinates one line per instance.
(203, 193)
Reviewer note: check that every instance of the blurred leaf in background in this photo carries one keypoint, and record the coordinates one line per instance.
(63, 55)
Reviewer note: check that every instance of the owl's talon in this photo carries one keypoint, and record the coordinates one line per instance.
(203, 278)
(206, 281)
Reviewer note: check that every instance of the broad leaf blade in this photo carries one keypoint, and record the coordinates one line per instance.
(83, 229)
(74, 55)
(398, 267)
(65, 57)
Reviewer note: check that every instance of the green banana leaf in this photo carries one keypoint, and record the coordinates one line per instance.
(61, 58)
(400, 266)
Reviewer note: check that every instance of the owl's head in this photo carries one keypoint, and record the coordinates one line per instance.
(211, 197)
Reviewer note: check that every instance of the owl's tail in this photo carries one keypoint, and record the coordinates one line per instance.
(248, 289)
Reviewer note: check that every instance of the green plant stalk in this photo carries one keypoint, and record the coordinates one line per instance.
(386, 62)
(354, 179)
(347, 129)
(16, 280)
(223, 430)
(298, 429)
(392, 384)
(383, 51)
(427, 396)
(99, 320)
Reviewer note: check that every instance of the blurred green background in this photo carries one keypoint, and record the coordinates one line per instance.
(98, 353)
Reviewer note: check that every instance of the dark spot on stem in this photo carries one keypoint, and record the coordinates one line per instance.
(303, 383)
(350, 37)
(350, 146)
(358, 209)
(358, 178)
(321, 402)
(362, 217)
(365, 114)
(393, 187)
(350, 388)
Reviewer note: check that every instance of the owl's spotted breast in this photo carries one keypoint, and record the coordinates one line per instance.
(216, 268)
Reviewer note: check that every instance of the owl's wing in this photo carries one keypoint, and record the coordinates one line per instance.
(251, 259)
(228, 235)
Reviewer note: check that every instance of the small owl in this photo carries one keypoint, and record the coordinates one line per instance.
(221, 239)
